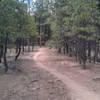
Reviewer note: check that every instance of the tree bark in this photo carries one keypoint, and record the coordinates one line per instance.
(84, 54)
(1, 52)
(95, 52)
(5, 51)
(23, 44)
(67, 48)
(89, 51)
(28, 45)
(19, 49)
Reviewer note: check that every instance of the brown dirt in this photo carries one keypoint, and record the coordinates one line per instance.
(84, 84)
(47, 75)
(30, 82)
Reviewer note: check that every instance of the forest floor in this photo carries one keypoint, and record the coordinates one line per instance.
(83, 84)
(26, 80)
(47, 75)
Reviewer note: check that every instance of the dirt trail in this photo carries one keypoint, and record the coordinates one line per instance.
(30, 83)
(47, 75)
(65, 71)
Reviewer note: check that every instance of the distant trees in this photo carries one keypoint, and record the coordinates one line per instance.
(15, 25)
(76, 28)
(41, 15)
(73, 24)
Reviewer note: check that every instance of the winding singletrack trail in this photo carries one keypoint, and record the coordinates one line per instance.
(74, 78)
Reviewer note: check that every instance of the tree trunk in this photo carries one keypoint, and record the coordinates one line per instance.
(84, 54)
(1, 52)
(89, 51)
(95, 52)
(16, 46)
(80, 51)
(67, 48)
(23, 45)
(19, 49)
(64, 48)
(32, 46)
(5, 51)
(59, 50)
(28, 45)
(76, 52)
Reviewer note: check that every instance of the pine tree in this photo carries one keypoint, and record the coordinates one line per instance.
(75, 26)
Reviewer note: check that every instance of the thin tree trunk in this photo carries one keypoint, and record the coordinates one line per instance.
(59, 50)
(95, 52)
(28, 45)
(19, 50)
(84, 54)
(32, 46)
(16, 46)
(64, 48)
(1, 52)
(76, 52)
(80, 52)
(23, 45)
(5, 51)
(89, 51)
(67, 48)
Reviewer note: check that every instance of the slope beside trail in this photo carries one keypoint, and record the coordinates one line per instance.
(81, 83)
